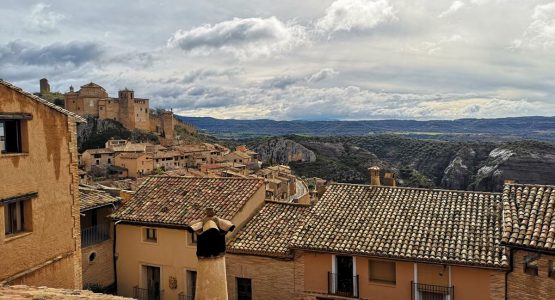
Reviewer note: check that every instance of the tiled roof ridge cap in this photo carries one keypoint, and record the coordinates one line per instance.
(77, 117)
(208, 178)
(529, 185)
(287, 203)
(413, 188)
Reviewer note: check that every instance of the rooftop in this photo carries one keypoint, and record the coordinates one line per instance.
(99, 151)
(440, 226)
(529, 216)
(271, 230)
(92, 198)
(17, 292)
(178, 201)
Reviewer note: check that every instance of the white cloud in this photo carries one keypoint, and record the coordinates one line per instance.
(243, 37)
(323, 74)
(42, 19)
(541, 32)
(346, 15)
(455, 6)
(433, 47)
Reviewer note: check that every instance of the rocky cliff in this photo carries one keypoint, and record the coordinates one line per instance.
(419, 163)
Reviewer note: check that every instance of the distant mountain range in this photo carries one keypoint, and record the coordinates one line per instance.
(537, 128)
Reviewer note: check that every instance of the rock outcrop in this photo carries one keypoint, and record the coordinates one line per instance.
(283, 151)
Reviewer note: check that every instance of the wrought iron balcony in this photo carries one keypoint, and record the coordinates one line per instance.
(345, 286)
(146, 294)
(421, 291)
(95, 234)
(182, 296)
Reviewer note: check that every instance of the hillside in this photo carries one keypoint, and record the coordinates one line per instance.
(419, 163)
(537, 128)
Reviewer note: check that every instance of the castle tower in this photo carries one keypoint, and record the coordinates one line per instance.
(127, 108)
(44, 86)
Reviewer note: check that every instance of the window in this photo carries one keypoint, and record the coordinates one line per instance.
(381, 271)
(191, 284)
(109, 160)
(193, 238)
(244, 289)
(97, 156)
(531, 265)
(150, 235)
(14, 217)
(550, 269)
(98, 162)
(10, 136)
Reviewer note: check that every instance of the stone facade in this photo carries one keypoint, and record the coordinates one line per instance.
(46, 170)
(521, 285)
(98, 264)
(93, 100)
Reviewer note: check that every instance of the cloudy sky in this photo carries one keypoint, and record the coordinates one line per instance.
(310, 59)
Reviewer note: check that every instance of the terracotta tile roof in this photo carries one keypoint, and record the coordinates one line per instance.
(181, 200)
(442, 226)
(529, 216)
(77, 118)
(91, 198)
(130, 155)
(271, 230)
(17, 292)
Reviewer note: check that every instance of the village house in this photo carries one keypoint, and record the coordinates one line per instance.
(529, 233)
(99, 158)
(155, 254)
(241, 157)
(97, 238)
(39, 198)
(136, 164)
(168, 160)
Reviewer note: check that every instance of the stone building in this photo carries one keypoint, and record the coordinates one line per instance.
(97, 238)
(39, 198)
(155, 253)
(93, 100)
(529, 233)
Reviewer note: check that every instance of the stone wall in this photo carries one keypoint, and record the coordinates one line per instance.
(99, 271)
(271, 278)
(523, 286)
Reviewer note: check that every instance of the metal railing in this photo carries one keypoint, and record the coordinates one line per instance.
(185, 297)
(146, 294)
(345, 286)
(95, 234)
(421, 291)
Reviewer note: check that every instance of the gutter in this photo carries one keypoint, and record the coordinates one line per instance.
(114, 258)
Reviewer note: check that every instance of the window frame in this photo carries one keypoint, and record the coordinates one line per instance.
(531, 265)
(6, 138)
(244, 280)
(378, 280)
(150, 235)
(25, 213)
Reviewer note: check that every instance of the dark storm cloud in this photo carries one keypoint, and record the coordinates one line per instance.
(25, 53)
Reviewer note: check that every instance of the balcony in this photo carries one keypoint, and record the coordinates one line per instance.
(146, 294)
(185, 297)
(421, 291)
(344, 286)
(95, 234)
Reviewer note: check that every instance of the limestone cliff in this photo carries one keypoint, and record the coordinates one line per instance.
(283, 151)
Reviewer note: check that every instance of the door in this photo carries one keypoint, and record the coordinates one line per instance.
(344, 275)
(153, 282)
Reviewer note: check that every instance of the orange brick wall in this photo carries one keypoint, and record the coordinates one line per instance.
(523, 286)
(49, 168)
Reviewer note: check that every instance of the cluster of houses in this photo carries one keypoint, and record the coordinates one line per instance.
(356, 241)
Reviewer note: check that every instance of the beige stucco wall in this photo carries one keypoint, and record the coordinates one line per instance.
(469, 283)
(173, 252)
(49, 168)
(100, 271)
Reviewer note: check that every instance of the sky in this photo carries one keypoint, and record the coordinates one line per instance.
(290, 60)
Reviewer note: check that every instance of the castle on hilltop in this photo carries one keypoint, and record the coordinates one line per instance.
(133, 113)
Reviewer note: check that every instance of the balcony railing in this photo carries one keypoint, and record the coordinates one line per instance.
(185, 297)
(146, 294)
(421, 291)
(95, 234)
(345, 286)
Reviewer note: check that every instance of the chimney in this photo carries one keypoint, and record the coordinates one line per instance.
(509, 181)
(374, 175)
(389, 179)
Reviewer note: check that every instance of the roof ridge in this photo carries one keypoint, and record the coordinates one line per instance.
(414, 188)
(530, 185)
(77, 117)
(287, 203)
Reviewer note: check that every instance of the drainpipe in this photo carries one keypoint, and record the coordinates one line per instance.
(114, 257)
(508, 272)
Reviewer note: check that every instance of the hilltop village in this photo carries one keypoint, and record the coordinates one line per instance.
(113, 220)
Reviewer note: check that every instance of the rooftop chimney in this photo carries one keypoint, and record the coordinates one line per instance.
(389, 179)
(374, 175)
